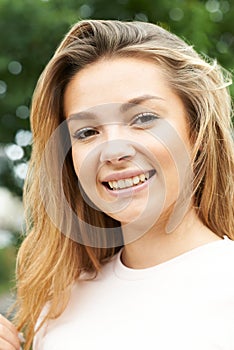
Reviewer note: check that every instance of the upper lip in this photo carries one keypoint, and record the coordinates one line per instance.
(124, 175)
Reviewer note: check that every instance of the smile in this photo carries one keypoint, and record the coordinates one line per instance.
(116, 185)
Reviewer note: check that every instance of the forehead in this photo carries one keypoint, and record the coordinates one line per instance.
(114, 81)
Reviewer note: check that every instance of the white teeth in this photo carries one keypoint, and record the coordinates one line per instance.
(125, 183)
(136, 180)
(115, 185)
(128, 182)
(121, 183)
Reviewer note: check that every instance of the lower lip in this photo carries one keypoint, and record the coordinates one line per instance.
(130, 190)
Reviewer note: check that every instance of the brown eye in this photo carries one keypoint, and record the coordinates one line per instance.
(85, 133)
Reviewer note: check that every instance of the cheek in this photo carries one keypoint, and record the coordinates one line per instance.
(85, 164)
(76, 161)
(167, 169)
(163, 157)
(80, 161)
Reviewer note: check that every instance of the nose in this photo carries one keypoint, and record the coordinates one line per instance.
(115, 151)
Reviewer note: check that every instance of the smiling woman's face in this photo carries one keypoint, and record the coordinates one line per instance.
(129, 136)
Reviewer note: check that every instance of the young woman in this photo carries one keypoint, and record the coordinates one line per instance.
(129, 197)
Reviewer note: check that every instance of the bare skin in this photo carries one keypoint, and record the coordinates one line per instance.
(8, 335)
(116, 81)
(189, 235)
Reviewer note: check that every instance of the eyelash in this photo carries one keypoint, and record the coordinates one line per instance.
(145, 115)
(80, 133)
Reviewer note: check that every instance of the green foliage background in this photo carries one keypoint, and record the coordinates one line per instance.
(31, 30)
(7, 263)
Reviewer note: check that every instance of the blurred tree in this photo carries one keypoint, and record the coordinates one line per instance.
(7, 266)
(31, 30)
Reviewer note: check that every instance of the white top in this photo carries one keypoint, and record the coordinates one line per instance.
(186, 303)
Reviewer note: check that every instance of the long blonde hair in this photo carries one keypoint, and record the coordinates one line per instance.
(48, 261)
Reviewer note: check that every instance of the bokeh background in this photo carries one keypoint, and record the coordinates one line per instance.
(30, 31)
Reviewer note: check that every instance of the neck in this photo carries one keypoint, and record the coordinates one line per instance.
(157, 246)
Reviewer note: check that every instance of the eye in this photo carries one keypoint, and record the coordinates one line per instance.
(84, 133)
(144, 119)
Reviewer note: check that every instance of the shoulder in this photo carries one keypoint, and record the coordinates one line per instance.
(40, 331)
(219, 254)
(225, 250)
(222, 249)
(225, 255)
(106, 272)
(216, 263)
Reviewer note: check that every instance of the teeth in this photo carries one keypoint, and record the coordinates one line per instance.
(136, 180)
(115, 185)
(124, 183)
(128, 182)
(121, 183)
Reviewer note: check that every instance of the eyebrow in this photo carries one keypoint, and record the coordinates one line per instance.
(123, 108)
(137, 101)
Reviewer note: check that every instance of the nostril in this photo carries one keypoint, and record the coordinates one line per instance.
(124, 157)
(118, 159)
